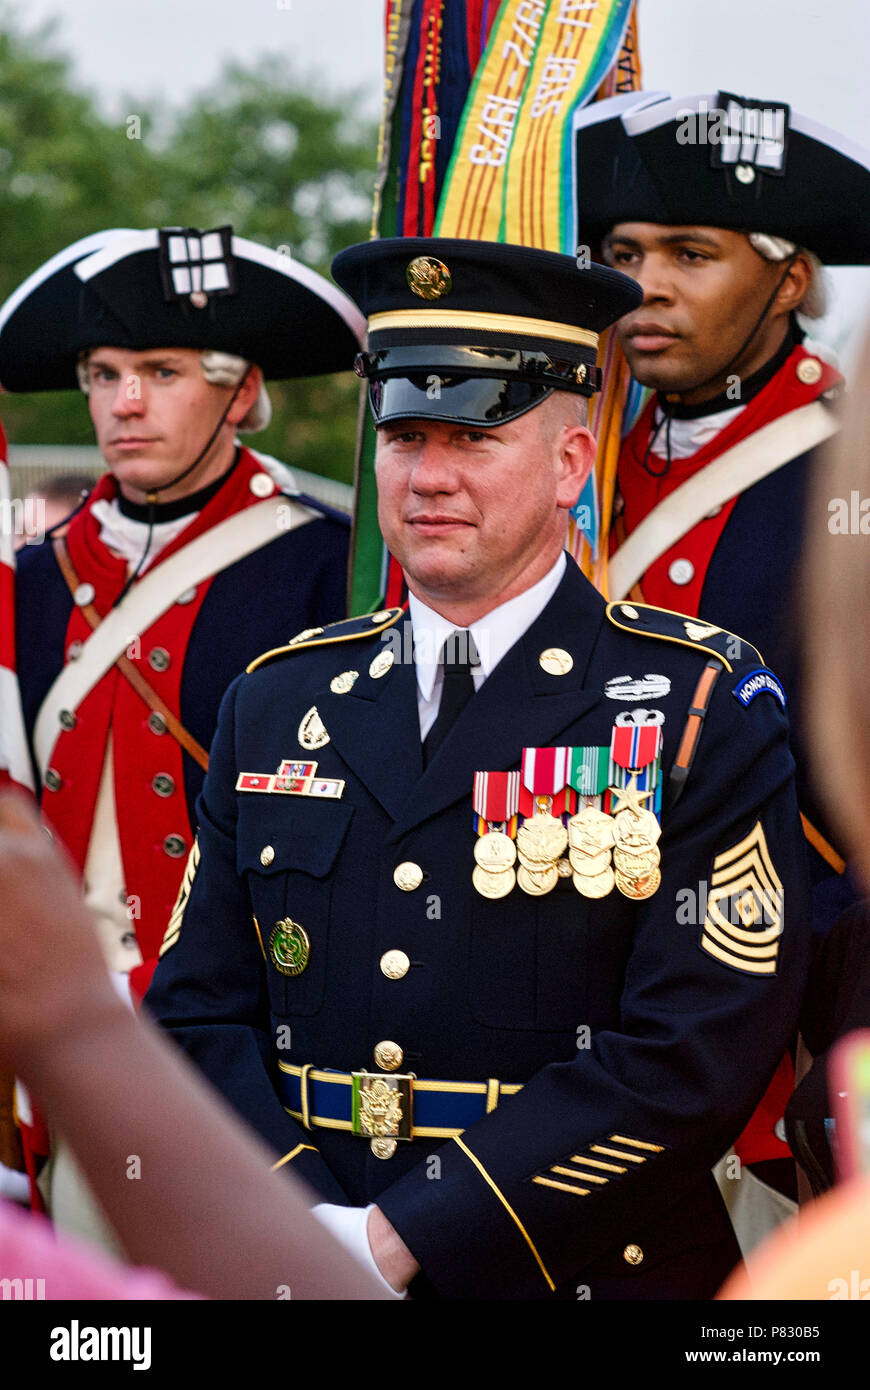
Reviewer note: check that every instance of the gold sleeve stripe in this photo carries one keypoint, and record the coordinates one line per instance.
(575, 1173)
(761, 951)
(616, 1153)
(759, 968)
(637, 1143)
(598, 1163)
(291, 1155)
(508, 1208)
(492, 1087)
(563, 1186)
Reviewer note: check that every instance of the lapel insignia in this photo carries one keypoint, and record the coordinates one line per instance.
(312, 731)
(556, 661)
(381, 664)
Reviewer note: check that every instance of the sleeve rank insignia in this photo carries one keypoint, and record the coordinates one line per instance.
(174, 926)
(744, 907)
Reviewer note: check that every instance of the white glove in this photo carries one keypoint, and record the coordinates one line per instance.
(348, 1225)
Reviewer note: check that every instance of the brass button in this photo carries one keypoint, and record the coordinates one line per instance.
(156, 723)
(267, 856)
(53, 780)
(67, 719)
(745, 173)
(174, 846)
(163, 784)
(158, 659)
(627, 611)
(408, 876)
(809, 370)
(384, 1148)
(395, 964)
(632, 1254)
(389, 1056)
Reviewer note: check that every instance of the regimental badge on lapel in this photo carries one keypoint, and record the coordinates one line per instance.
(312, 731)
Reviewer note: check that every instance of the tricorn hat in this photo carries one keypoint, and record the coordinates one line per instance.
(477, 331)
(721, 160)
(174, 287)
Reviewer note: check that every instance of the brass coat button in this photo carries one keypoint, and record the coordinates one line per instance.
(408, 876)
(156, 723)
(395, 964)
(267, 856)
(627, 611)
(163, 784)
(384, 1148)
(67, 719)
(158, 659)
(809, 370)
(632, 1254)
(53, 780)
(174, 846)
(389, 1056)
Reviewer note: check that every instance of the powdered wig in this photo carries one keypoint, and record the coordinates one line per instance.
(777, 248)
(219, 369)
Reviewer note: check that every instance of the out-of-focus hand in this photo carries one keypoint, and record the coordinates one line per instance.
(52, 976)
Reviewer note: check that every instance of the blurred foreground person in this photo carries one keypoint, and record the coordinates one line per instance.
(119, 1093)
(836, 1236)
(48, 506)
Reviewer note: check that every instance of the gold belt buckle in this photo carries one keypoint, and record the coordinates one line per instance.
(382, 1104)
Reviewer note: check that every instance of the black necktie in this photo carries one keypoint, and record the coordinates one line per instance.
(458, 656)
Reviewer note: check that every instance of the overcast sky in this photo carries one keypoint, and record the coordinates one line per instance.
(812, 53)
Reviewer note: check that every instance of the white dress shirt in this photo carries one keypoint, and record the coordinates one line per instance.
(494, 634)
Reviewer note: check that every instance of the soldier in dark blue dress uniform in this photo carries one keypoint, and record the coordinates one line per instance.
(495, 925)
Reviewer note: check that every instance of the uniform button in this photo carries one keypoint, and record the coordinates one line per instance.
(389, 1056)
(174, 846)
(745, 173)
(384, 1148)
(74, 651)
(261, 485)
(395, 964)
(779, 1130)
(158, 659)
(408, 876)
(809, 370)
(267, 856)
(681, 572)
(627, 611)
(53, 780)
(156, 723)
(84, 594)
(632, 1254)
(67, 719)
(129, 940)
(187, 597)
(163, 784)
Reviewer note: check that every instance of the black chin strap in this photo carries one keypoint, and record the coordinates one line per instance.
(720, 371)
(153, 495)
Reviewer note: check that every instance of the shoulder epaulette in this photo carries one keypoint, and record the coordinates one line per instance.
(648, 621)
(346, 631)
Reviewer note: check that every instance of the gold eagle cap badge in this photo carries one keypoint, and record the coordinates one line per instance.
(428, 277)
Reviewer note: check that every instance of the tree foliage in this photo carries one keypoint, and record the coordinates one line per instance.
(280, 162)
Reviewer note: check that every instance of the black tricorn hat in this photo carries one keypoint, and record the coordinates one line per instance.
(477, 331)
(174, 287)
(721, 160)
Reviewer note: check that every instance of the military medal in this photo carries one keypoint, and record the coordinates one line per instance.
(635, 753)
(591, 831)
(495, 799)
(595, 885)
(535, 883)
